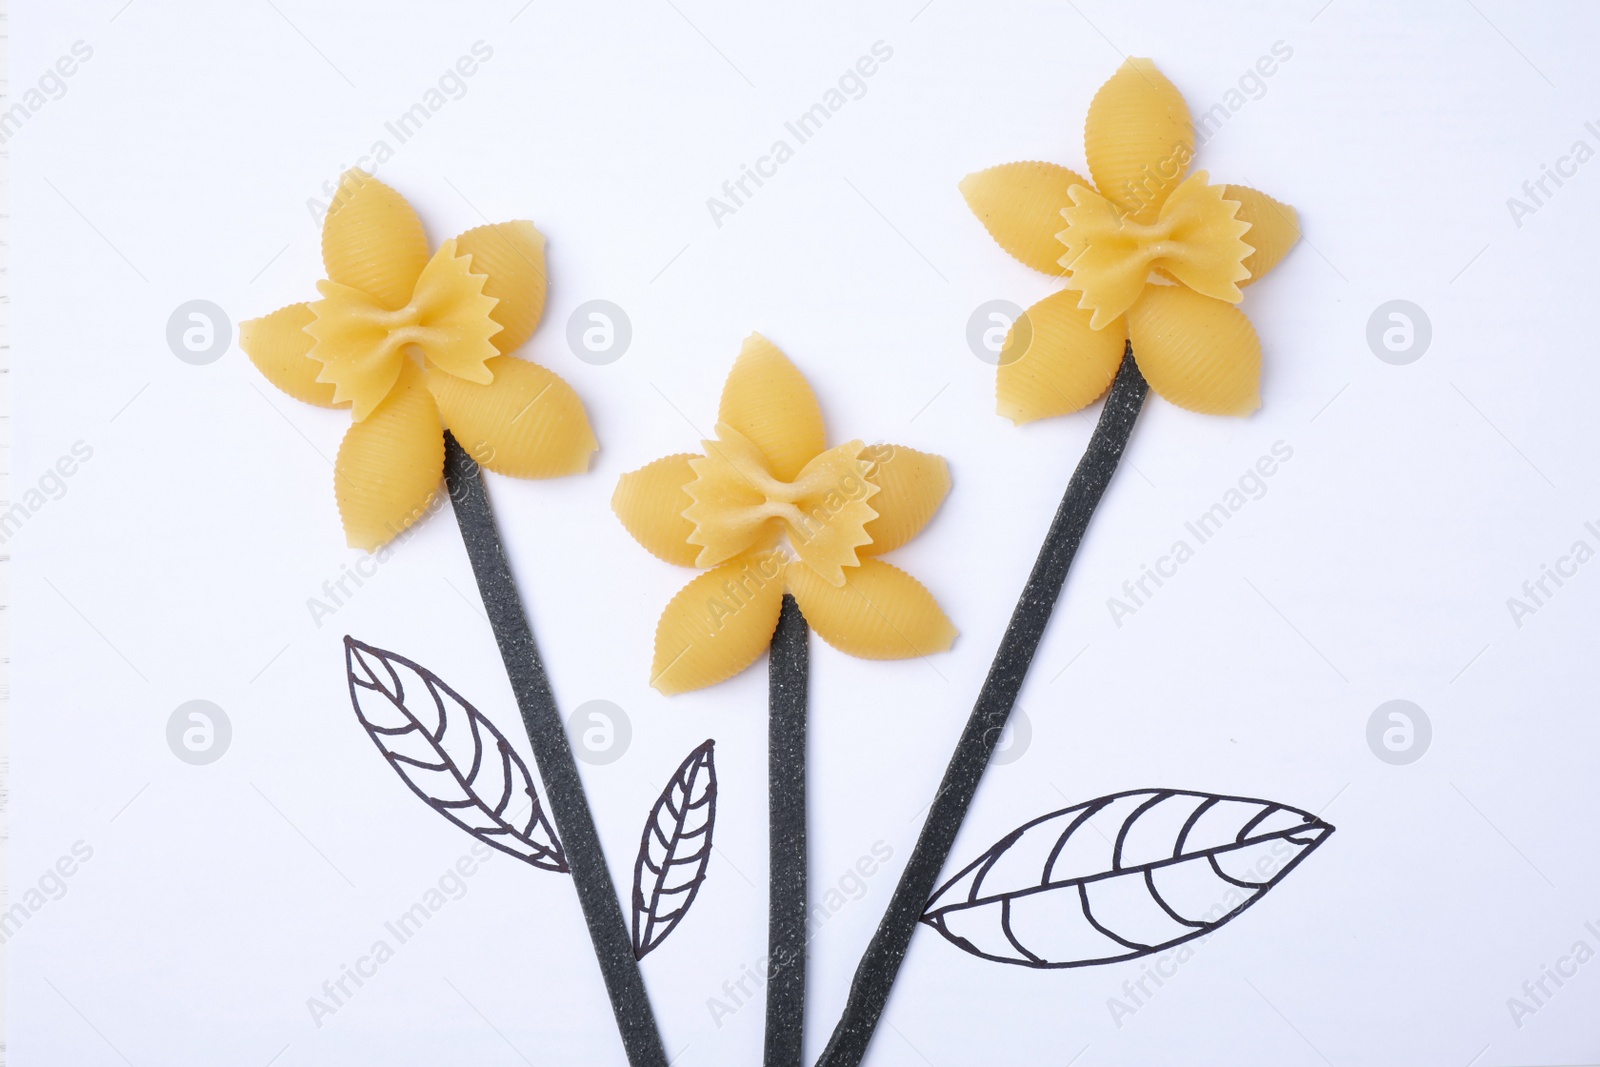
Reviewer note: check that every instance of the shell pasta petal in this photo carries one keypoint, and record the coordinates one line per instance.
(389, 464)
(880, 612)
(1053, 362)
(527, 423)
(1199, 353)
(911, 486)
(1020, 205)
(511, 255)
(651, 501)
(1274, 228)
(767, 399)
(373, 241)
(280, 348)
(718, 624)
(1138, 138)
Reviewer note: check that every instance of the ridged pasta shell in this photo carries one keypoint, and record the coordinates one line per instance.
(767, 399)
(527, 423)
(1053, 362)
(880, 612)
(390, 463)
(280, 348)
(1138, 138)
(1020, 205)
(1274, 228)
(373, 241)
(650, 502)
(718, 624)
(911, 486)
(511, 254)
(1198, 353)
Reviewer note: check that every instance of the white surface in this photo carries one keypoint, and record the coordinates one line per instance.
(1377, 565)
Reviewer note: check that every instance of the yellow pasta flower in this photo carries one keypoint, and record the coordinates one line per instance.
(769, 475)
(1147, 255)
(413, 344)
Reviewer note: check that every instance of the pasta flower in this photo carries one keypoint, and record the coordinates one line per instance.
(1147, 256)
(767, 475)
(412, 344)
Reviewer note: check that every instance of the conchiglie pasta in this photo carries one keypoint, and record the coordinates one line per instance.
(767, 399)
(718, 624)
(280, 347)
(1020, 205)
(511, 255)
(1274, 228)
(526, 423)
(389, 464)
(1199, 353)
(1139, 139)
(911, 487)
(373, 241)
(651, 501)
(1053, 362)
(880, 612)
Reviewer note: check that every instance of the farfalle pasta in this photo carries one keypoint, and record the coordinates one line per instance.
(413, 343)
(769, 477)
(1146, 256)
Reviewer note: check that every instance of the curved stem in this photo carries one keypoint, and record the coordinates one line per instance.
(597, 894)
(879, 965)
(786, 792)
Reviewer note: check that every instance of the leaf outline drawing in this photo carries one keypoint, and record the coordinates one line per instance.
(1044, 895)
(450, 791)
(677, 834)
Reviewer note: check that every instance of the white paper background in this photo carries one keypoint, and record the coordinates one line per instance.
(177, 564)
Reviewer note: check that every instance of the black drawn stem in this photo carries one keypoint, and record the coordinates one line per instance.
(597, 895)
(786, 792)
(876, 972)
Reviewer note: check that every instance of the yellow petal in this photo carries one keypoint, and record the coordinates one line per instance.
(1138, 138)
(1199, 353)
(373, 241)
(828, 511)
(651, 501)
(1053, 363)
(768, 400)
(718, 624)
(734, 498)
(279, 347)
(1194, 239)
(880, 612)
(389, 464)
(527, 423)
(1020, 205)
(511, 254)
(452, 317)
(911, 486)
(353, 339)
(1274, 228)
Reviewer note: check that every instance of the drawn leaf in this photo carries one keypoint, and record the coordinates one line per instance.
(675, 850)
(1121, 877)
(450, 754)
